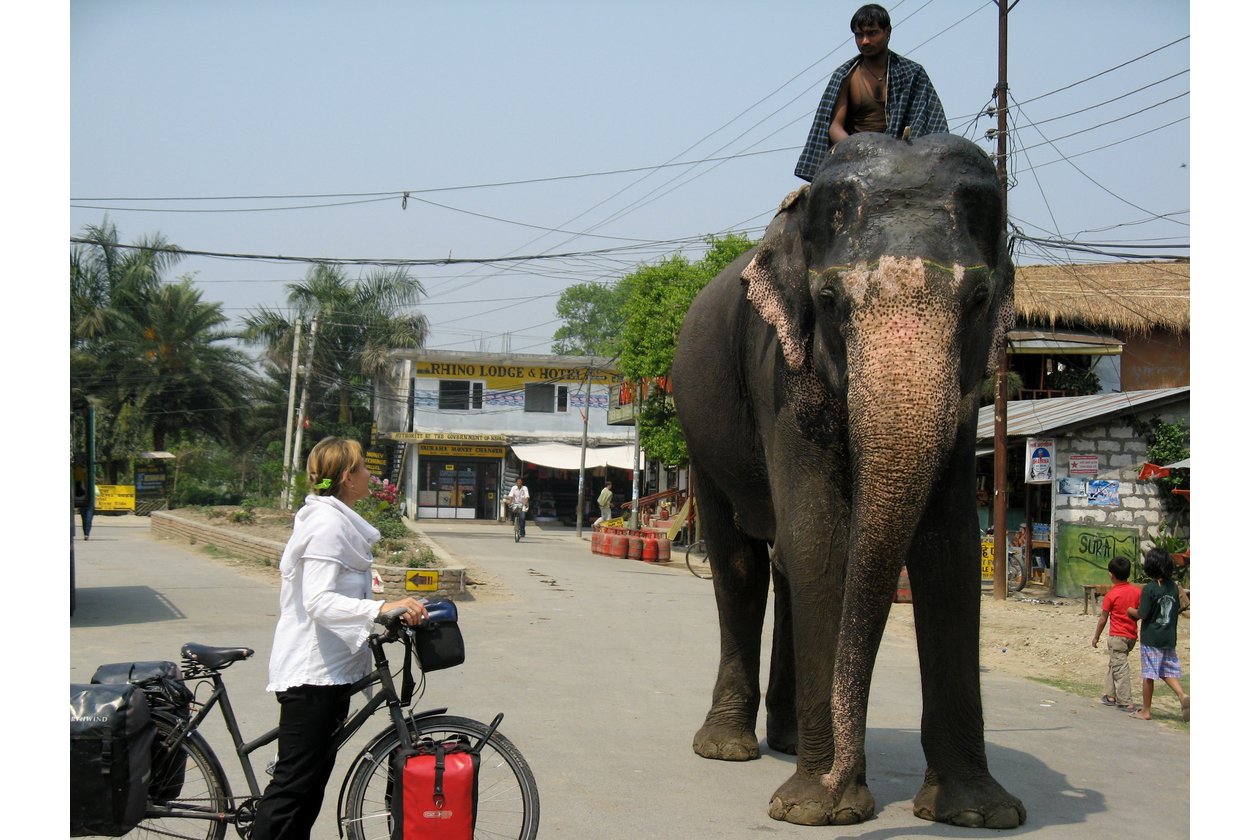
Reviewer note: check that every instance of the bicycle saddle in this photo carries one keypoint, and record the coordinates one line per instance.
(214, 657)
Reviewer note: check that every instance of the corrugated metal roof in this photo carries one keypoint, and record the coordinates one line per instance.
(1044, 417)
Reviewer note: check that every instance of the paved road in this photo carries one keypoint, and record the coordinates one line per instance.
(604, 668)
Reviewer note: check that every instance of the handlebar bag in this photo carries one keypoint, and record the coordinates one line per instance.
(438, 642)
(111, 742)
(433, 790)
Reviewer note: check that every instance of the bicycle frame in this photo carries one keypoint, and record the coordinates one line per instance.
(386, 696)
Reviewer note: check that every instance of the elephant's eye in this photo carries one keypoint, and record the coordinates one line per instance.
(979, 297)
(827, 295)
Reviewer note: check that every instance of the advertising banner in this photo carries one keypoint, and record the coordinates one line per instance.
(1039, 461)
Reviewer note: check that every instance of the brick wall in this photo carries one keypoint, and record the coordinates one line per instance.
(451, 580)
(1120, 456)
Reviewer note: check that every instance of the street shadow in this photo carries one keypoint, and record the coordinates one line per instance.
(116, 606)
(895, 768)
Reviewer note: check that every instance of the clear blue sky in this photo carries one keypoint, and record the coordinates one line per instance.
(187, 100)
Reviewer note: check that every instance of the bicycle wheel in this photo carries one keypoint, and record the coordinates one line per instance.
(698, 560)
(507, 795)
(189, 791)
(1016, 577)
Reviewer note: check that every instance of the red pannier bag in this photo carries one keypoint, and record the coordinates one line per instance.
(434, 790)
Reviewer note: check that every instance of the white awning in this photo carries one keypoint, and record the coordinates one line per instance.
(566, 456)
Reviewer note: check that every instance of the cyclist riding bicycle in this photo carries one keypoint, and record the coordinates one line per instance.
(518, 499)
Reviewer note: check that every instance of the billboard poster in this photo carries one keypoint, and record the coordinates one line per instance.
(1103, 493)
(1072, 487)
(1083, 465)
(1039, 461)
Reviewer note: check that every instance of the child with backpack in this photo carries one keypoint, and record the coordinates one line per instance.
(1158, 610)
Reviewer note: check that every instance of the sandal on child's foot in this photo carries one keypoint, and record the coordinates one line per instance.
(1129, 708)
(1108, 700)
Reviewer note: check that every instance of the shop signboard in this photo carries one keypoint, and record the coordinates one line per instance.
(1084, 551)
(377, 461)
(150, 482)
(986, 558)
(1083, 465)
(1102, 493)
(115, 497)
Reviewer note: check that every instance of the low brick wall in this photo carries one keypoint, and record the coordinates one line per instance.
(166, 524)
(451, 580)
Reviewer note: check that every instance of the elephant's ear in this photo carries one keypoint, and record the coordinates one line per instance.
(777, 282)
(1005, 320)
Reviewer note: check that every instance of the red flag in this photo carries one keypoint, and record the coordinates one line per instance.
(1150, 471)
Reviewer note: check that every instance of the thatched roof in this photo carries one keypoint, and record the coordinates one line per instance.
(1133, 297)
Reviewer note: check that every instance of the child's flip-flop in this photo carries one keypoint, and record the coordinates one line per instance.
(1185, 708)
(1129, 708)
(1108, 700)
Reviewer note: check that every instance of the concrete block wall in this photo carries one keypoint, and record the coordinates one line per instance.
(1121, 454)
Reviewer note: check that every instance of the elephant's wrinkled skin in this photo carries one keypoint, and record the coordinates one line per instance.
(827, 383)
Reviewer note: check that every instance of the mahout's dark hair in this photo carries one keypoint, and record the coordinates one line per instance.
(871, 14)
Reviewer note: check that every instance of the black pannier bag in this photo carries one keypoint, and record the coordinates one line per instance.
(438, 642)
(111, 741)
(163, 685)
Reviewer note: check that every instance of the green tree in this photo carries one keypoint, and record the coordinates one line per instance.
(592, 319)
(658, 298)
(360, 322)
(148, 355)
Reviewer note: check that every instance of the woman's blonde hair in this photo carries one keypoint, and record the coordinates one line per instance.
(331, 459)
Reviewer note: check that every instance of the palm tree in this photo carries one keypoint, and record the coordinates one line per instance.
(360, 322)
(148, 355)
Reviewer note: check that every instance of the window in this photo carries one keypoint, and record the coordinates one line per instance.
(540, 398)
(459, 395)
(562, 398)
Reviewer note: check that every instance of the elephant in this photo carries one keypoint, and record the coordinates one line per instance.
(827, 383)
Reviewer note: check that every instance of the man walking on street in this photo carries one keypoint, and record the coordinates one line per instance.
(605, 504)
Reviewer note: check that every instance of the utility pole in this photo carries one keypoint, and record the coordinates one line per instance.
(306, 389)
(286, 493)
(634, 491)
(586, 422)
(1000, 396)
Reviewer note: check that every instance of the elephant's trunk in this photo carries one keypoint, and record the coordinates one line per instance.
(903, 401)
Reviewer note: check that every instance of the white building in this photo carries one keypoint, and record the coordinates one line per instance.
(455, 430)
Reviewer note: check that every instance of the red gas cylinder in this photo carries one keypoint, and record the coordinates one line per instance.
(662, 549)
(600, 538)
(634, 547)
(650, 548)
(619, 545)
(902, 595)
(595, 541)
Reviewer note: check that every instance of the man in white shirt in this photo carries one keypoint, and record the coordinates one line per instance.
(518, 502)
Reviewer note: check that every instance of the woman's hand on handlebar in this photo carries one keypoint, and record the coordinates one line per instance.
(414, 611)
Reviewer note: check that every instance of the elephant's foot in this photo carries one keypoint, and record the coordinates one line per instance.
(804, 800)
(781, 733)
(726, 743)
(979, 802)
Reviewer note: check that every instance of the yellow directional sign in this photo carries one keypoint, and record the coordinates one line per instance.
(422, 580)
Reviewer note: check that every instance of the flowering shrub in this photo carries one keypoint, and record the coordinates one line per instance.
(383, 490)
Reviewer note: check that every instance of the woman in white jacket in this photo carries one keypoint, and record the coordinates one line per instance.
(320, 648)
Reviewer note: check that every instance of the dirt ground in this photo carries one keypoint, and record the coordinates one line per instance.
(1032, 634)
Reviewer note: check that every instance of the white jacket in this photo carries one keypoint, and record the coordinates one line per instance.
(326, 606)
